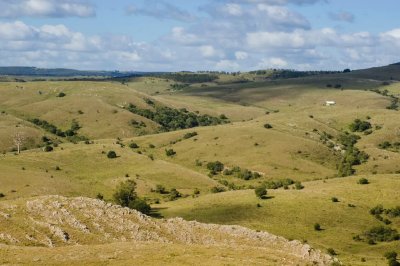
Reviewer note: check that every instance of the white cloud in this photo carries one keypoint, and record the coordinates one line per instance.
(45, 8)
(240, 55)
(160, 10)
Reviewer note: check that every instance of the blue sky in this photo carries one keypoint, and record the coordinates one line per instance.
(173, 35)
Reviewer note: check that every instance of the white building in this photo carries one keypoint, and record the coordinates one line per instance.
(330, 103)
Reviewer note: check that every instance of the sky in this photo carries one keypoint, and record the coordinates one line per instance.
(197, 35)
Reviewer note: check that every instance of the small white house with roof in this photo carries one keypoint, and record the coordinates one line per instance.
(330, 103)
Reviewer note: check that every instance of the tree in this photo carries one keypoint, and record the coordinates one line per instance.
(19, 140)
(111, 155)
(126, 196)
(317, 227)
(260, 191)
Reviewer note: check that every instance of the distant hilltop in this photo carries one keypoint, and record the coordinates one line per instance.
(61, 72)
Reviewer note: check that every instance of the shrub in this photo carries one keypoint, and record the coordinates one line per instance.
(126, 196)
(61, 94)
(217, 189)
(317, 227)
(298, 185)
(111, 155)
(170, 152)
(391, 255)
(190, 135)
(382, 234)
(360, 126)
(377, 210)
(267, 126)
(2, 195)
(100, 196)
(331, 252)
(133, 145)
(140, 205)
(334, 199)
(196, 191)
(363, 181)
(48, 148)
(260, 191)
(174, 194)
(216, 166)
(160, 189)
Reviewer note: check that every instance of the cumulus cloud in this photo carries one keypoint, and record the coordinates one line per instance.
(342, 16)
(45, 8)
(160, 10)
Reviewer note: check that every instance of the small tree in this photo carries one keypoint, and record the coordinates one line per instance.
(260, 191)
(19, 140)
(111, 155)
(170, 152)
(317, 227)
(363, 181)
(267, 126)
(126, 196)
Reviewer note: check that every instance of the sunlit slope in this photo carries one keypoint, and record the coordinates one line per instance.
(52, 226)
(292, 213)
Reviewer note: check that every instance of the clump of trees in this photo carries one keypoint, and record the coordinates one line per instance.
(71, 133)
(244, 174)
(174, 119)
(391, 256)
(126, 196)
(190, 77)
(352, 155)
(275, 184)
(378, 234)
(386, 145)
(360, 126)
(215, 167)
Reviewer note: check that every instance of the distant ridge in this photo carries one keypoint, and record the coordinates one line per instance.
(61, 72)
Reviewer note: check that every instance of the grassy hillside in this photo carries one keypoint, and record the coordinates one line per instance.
(292, 213)
(277, 128)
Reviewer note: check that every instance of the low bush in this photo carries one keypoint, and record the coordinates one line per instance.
(317, 227)
(111, 155)
(268, 126)
(217, 189)
(260, 191)
(363, 181)
(170, 152)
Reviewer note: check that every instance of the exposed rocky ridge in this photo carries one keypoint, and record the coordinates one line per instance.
(55, 221)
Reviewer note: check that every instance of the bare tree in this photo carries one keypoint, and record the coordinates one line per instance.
(18, 139)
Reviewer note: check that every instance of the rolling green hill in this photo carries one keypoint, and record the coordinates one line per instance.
(169, 133)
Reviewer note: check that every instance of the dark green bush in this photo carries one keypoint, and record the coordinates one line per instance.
(382, 234)
(267, 126)
(111, 155)
(133, 146)
(126, 196)
(360, 126)
(334, 199)
(190, 135)
(363, 181)
(48, 148)
(298, 185)
(216, 166)
(170, 152)
(331, 252)
(260, 191)
(317, 227)
(217, 189)
(61, 94)
(174, 194)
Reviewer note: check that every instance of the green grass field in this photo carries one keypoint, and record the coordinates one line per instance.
(293, 148)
